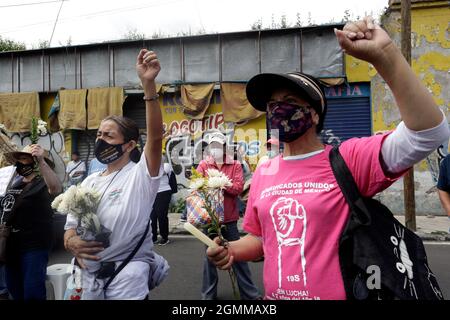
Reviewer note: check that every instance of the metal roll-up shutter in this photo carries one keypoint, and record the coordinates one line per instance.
(134, 108)
(349, 112)
(348, 118)
(85, 144)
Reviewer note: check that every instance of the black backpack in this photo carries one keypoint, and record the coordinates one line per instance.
(379, 257)
(173, 182)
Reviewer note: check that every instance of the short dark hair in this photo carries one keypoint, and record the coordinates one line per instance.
(76, 153)
(130, 131)
(127, 127)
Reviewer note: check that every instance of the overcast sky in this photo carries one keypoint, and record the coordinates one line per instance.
(89, 21)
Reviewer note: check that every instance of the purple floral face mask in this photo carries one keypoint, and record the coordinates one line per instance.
(292, 121)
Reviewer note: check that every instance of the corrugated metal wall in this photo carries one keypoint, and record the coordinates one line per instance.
(349, 112)
(209, 58)
(348, 118)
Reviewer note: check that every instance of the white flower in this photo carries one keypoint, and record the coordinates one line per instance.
(88, 199)
(57, 202)
(197, 183)
(42, 127)
(78, 201)
(60, 205)
(214, 173)
(218, 179)
(219, 182)
(42, 131)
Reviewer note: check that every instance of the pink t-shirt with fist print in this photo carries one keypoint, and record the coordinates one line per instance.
(296, 206)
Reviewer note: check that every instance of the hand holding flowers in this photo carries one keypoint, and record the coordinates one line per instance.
(205, 209)
(82, 203)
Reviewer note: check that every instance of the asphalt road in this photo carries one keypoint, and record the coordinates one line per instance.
(185, 256)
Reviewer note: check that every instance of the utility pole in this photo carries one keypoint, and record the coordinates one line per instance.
(56, 21)
(408, 180)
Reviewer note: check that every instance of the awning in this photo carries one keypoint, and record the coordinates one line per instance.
(235, 105)
(196, 99)
(17, 109)
(103, 102)
(72, 114)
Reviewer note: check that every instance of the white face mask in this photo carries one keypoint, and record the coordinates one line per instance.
(217, 154)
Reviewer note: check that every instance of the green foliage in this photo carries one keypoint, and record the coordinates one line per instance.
(68, 42)
(41, 44)
(159, 35)
(280, 23)
(178, 206)
(310, 20)
(133, 34)
(299, 22)
(347, 16)
(195, 174)
(34, 131)
(283, 22)
(257, 25)
(10, 45)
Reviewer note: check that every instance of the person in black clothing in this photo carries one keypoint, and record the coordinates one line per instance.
(26, 207)
(159, 214)
(443, 185)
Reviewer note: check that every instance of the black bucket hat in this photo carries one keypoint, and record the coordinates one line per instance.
(260, 88)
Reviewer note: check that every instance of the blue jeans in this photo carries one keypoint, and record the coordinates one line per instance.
(3, 288)
(247, 289)
(26, 274)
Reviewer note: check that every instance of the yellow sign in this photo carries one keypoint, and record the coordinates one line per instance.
(250, 135)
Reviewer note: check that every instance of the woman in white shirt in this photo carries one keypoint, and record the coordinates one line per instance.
(128, 190)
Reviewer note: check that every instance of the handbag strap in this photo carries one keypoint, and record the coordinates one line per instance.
(344, 177)
(359, 213)
(128, 259)
(74, 168)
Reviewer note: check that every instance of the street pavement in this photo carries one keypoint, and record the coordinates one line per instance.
(185, 255)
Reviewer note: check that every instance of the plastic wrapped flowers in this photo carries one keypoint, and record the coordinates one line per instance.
(82, 203)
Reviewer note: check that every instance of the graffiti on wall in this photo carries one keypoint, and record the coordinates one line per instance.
(54, 143)
(328, 137)
(185, 151)
(434, 161)
(188, 137)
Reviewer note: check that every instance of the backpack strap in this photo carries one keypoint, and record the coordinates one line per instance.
(359, 214)
(128, 259)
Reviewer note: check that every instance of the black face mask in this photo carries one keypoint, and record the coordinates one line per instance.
(24, 169)
(107, 153)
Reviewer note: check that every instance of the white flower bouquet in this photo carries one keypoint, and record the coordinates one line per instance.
(205, 208)
(205, 203)
(82, 203)
(38, 128)
(42, 127)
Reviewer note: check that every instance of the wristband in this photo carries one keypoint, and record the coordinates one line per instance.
(154, 98)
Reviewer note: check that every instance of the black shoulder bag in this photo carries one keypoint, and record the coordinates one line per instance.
(173, 182)
(379, 257)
